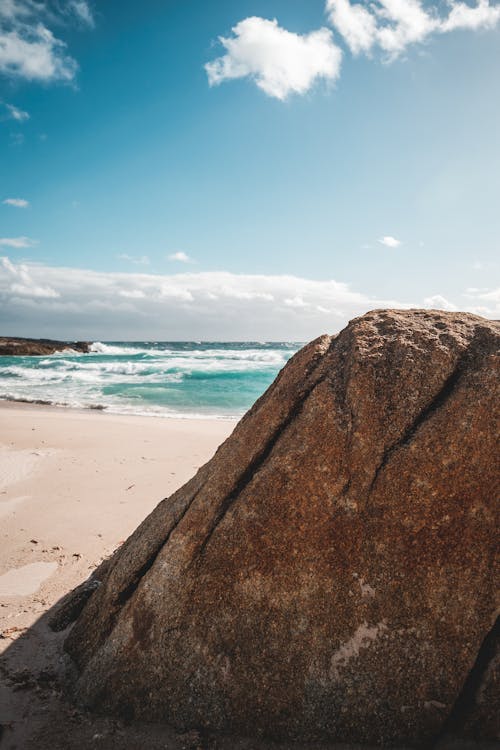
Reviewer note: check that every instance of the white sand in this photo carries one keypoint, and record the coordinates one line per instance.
(74, 485)
(16, 465)
(8, 506)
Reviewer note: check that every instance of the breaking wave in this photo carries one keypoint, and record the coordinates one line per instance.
(188, 379)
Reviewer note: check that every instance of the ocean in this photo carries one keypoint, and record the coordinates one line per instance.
(164, 379)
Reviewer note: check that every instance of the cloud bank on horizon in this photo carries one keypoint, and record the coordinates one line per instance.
(282, 63)
(79, 303)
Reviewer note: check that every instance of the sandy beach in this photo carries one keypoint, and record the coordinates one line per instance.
(73, 486)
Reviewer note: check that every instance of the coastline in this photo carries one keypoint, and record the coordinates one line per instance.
(181, 380)
(101, 409)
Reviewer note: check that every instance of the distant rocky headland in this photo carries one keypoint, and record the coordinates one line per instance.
(10, 346)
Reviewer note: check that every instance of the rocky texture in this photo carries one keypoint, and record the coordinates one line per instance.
(332, 572)
(32, 347)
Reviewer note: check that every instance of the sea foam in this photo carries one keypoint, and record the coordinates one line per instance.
(184, 379)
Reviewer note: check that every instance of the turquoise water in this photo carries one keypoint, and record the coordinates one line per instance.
(182, 379)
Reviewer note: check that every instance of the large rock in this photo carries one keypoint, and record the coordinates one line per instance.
(332, 572)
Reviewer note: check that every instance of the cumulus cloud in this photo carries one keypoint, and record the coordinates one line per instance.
(463, 16)
(389, 241)
(438, 302)
(28, 47)
(180, 257)
(280, 62)
(34, 53)
(393, 25)
(16, 202)
(354, 22)
(17, 242)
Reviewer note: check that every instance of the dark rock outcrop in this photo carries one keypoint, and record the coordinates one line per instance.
(10, 346)
(332, 572)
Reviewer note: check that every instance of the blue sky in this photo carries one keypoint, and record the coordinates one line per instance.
(157, 182)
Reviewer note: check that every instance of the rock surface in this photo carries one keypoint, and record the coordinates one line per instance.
(33, 347)
(332, 572)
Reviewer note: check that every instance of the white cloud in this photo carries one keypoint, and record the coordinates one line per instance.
(34, 53)
(21, 284)
(17, 202)
(463, 16)
(132, 293)
(180, 257)
(295, 302)
(13, 9)
(141, 260)
(31, 290)
(389, 241)
(16, 114)
(403, 22)
(216, 305)
(438, 302)
(280, 62)
(393, 25)
(355, 23)
(483, 302)
(82, 11)
(77, 303)
(172, 291)
(17, 242)
(28, 47)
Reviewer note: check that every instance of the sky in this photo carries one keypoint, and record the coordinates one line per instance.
(245, 170)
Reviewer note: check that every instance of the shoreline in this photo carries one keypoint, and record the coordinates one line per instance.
(177, 381)
(105, 410)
